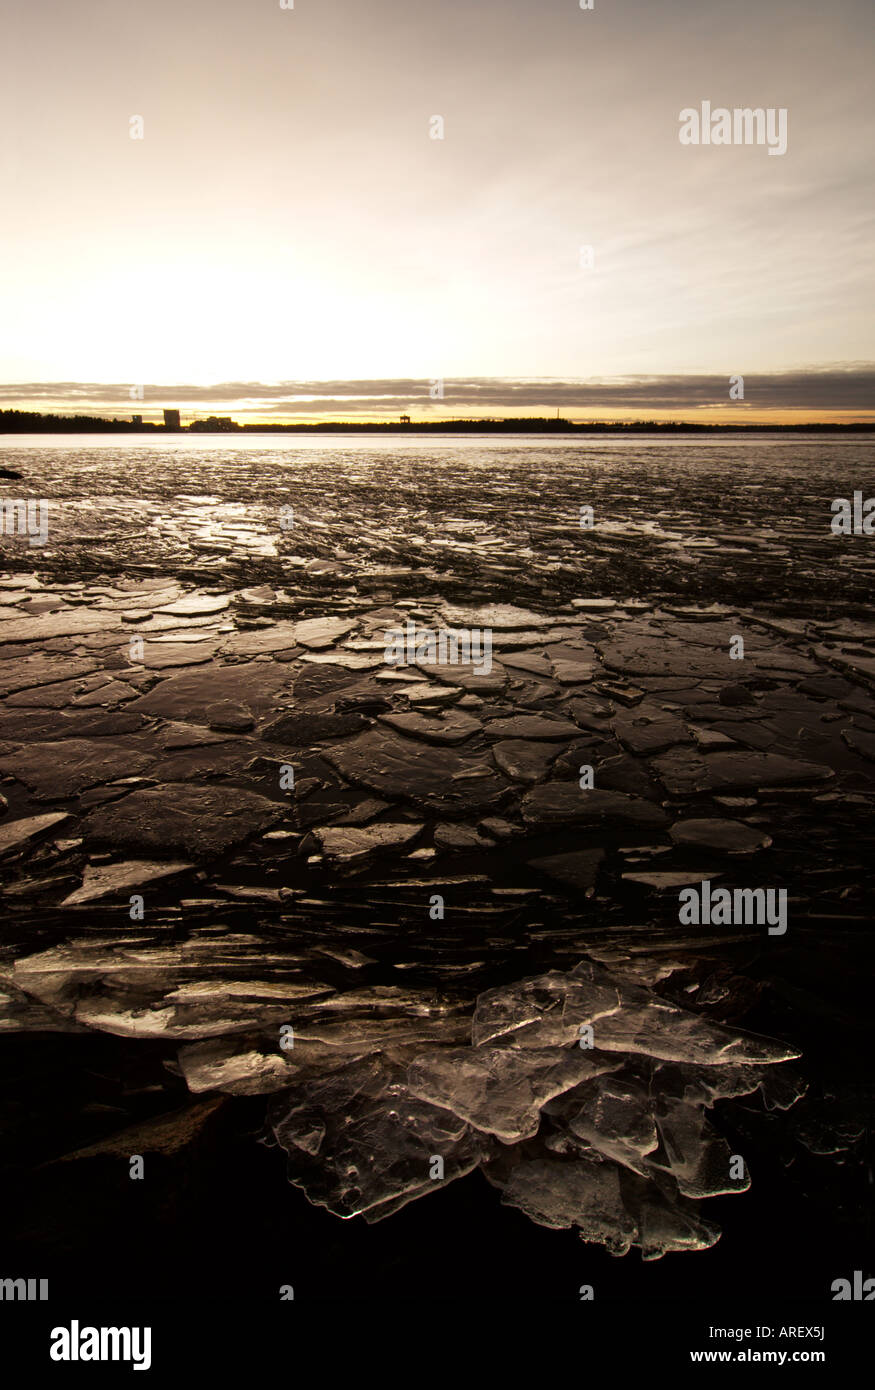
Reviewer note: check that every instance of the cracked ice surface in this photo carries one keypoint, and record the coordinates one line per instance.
(260, 648)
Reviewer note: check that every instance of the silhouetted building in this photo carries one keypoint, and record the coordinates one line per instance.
(215, 422)
(171, 419)
(136, 420)
(405, 419)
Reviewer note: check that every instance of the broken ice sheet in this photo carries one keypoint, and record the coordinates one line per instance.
(361, 1144)
(100, 880)
(500, 615)
(613, 1115)
(576, 1193)
(607, 1205)
(203, 821)
(532, 726)
(715, 833)
(358, 1035)
(550, 1011)
(558, 803)
(577, 871)
(55, 771)
(667, 1223)
(697, 1157)
(238, 1066)
(398, 767)
(21, 1014)
(350, 847)
(453, 727)
(501, 1091)
(524, 761)
(683, 773)
(383, 1080)
(18, 832)
(198, 989)
(705, 1085)
(624, 1144)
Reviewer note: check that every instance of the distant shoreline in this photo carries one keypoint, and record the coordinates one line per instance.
(26, 422)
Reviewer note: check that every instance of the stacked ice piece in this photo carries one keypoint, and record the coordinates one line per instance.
(583, 1097)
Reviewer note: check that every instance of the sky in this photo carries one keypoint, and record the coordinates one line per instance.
(288, 240)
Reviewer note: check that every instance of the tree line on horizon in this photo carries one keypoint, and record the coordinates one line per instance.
(34, 422)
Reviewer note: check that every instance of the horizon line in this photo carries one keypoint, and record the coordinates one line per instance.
(15, 421)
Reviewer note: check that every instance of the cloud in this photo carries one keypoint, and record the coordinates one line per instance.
(849, 387)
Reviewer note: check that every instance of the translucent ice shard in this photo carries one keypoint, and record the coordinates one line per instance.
(705, 1085)
(697, 1157)
(666, 1223)
(543, 1011)
(362, 1143)
(553, 1009)
(615, 1117)
(501, 1090)
(573, 1193)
